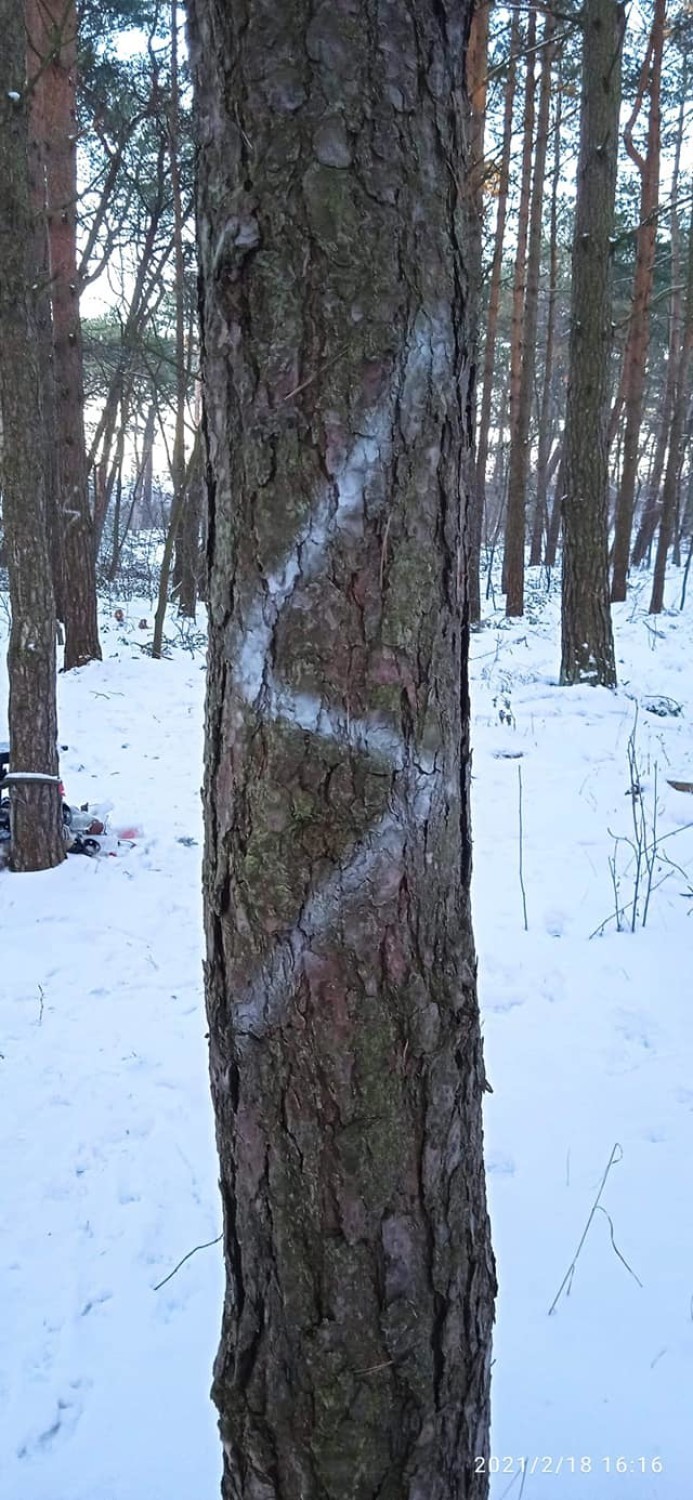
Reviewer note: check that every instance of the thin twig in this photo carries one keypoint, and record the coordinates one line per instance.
(206, 1246)
(615, 1246)
(521, 872)
(326, 365)
(568, 1278)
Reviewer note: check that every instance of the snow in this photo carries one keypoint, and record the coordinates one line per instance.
(107, 1164)
(588, 1044)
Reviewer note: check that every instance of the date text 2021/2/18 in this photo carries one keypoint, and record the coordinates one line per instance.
(568, 1464)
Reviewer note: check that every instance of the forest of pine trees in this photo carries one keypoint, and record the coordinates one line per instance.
(108, 113)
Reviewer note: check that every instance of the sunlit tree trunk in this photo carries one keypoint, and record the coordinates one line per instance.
(345, 1048)
(36, 816)
(55, 49)
(43, 303)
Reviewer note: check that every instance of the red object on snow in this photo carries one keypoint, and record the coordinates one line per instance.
(129, 834)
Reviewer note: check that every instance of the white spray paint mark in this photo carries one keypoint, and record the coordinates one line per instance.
(414, 774)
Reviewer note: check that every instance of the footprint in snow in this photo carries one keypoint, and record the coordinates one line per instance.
(503, 1003)
(68, 1410)
(636, 1027)
(500, 1164)
(554, 922)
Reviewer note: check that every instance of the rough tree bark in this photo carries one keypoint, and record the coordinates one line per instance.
(37, 829)
(635, 357)
(345, 1049)
(54, 48)
(587, 653)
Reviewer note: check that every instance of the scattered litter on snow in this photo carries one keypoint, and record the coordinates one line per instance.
(106, 1135)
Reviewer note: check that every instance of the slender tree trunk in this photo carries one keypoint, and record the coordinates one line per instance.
(548, 470)
(43, 304)
(346, 1058)
(652, 508)
(117, 484)
(683, 506)
(55, 50)
(586, 634)
(187, 560)
(546, 423)
(518, 468)
(513, 571)
(635, 357)
(477, 75)
(36, 815)
(178, 458)
(143, 507)
(554, 527)
(478, 505)
(670, 488)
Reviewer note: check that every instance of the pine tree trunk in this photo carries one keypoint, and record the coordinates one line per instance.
(346, 1060)
(672, 475)
(635, 358)
(56, 53)
(184, 579)
(546, 414)
(477, 82)
(187, 558)
(513, 563)
(43, 304)
(652, 509)
(586, 634)
(478, 507)
(36, 815)
(518, 466)
(554, 527)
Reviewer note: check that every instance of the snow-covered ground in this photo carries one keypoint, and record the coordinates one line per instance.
(107, 1166)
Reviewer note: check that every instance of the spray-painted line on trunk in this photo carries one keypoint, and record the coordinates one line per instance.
(415, 775)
